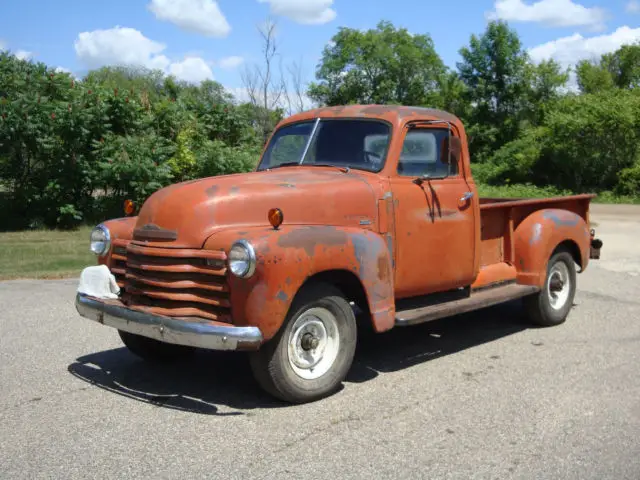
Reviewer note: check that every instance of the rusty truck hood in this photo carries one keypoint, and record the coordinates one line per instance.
(184, 215)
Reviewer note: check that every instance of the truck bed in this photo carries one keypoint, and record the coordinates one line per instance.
(496, 280)
(499, 218)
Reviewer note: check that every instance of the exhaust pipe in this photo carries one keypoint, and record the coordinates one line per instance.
(596, 245)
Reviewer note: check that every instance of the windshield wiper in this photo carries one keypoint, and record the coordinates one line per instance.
(345, 169)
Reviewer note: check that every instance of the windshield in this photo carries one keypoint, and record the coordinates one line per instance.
(359, 144)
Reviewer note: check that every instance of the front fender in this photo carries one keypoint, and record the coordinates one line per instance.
(121, 228)
(288, 257)
(539, 234)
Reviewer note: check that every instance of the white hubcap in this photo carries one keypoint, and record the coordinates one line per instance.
(558, 285)
(314, 342)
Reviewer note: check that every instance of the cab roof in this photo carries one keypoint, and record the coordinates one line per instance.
(396, 114)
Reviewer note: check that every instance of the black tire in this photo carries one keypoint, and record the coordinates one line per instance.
(154, 350)
(539, 307)
(271, 365)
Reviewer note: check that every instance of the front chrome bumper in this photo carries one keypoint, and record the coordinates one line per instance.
(196, 333)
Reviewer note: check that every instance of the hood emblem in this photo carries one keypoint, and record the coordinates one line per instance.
(151, 231)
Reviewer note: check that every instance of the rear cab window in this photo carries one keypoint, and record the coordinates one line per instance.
(424, 152)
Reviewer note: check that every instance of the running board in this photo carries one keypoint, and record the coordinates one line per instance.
(481, 299)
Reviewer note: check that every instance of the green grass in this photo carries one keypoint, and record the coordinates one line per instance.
(520, 191)
(532, 191)
(609, 197)
(44, 253)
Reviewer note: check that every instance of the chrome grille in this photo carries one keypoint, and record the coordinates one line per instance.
(177, 282)
(118, 264)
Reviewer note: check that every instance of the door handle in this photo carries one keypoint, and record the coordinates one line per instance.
(467, 196)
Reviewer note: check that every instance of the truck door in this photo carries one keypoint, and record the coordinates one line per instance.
(434, 214)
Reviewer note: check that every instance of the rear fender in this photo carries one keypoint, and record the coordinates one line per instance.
(287, 257)
(539, 234)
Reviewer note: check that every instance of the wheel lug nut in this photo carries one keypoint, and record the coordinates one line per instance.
(309, 342)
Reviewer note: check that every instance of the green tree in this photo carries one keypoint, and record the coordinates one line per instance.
(453, 95)
(587, 142)
(593, 78)
(624, 66)
(619, 69)
(128, 78)
(494, 70)
(71, 151)
(385, 65)
(546, 81)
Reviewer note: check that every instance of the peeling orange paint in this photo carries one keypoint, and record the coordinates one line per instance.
(395, 236)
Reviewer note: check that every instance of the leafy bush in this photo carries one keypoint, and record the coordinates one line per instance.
(516, 161)
(629, 181)
(72, 151)
(216, 158)
(608, 196)
(526, 190)
(586, 143)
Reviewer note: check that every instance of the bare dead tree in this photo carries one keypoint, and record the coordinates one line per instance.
(271, 87)
(249, 79)
(293, 87)
(267, 85)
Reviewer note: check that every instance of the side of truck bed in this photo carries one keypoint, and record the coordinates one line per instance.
(516, 236)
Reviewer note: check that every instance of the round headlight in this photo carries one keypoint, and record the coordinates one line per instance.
(100, 240)
(242, 259)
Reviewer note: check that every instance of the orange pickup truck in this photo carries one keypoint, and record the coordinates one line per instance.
(354, 214)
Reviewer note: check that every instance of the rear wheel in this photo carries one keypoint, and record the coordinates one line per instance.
(312, 354)
(552, 304)
(154, 350)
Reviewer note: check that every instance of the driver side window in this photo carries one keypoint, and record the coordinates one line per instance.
(424, 152)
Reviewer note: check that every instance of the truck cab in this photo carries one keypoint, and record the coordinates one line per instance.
(355, 216)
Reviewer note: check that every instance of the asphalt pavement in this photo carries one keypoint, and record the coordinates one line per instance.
(481, 395)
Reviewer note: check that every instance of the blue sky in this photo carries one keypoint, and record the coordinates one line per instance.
(197, 39)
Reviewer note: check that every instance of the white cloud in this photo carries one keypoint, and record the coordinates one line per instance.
(570, 50)
(633, 6)
(554, 13)
(191, 69)
(3, 45)
(119, 46)
(199, 16)
(23, 55)
(230, 63)
(128, 47)
(303, 11)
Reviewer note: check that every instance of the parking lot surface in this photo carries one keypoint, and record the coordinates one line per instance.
(481, 395)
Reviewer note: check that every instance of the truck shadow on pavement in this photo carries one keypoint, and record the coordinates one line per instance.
(405, 347)
(212, 379)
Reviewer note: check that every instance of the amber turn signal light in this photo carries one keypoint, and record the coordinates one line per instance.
(275, 217)
(129, 207)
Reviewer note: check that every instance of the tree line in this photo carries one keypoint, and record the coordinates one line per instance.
(527, 122)
(72, 150)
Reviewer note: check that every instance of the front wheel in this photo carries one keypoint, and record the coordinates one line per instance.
(312, 354)
(552, 304)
